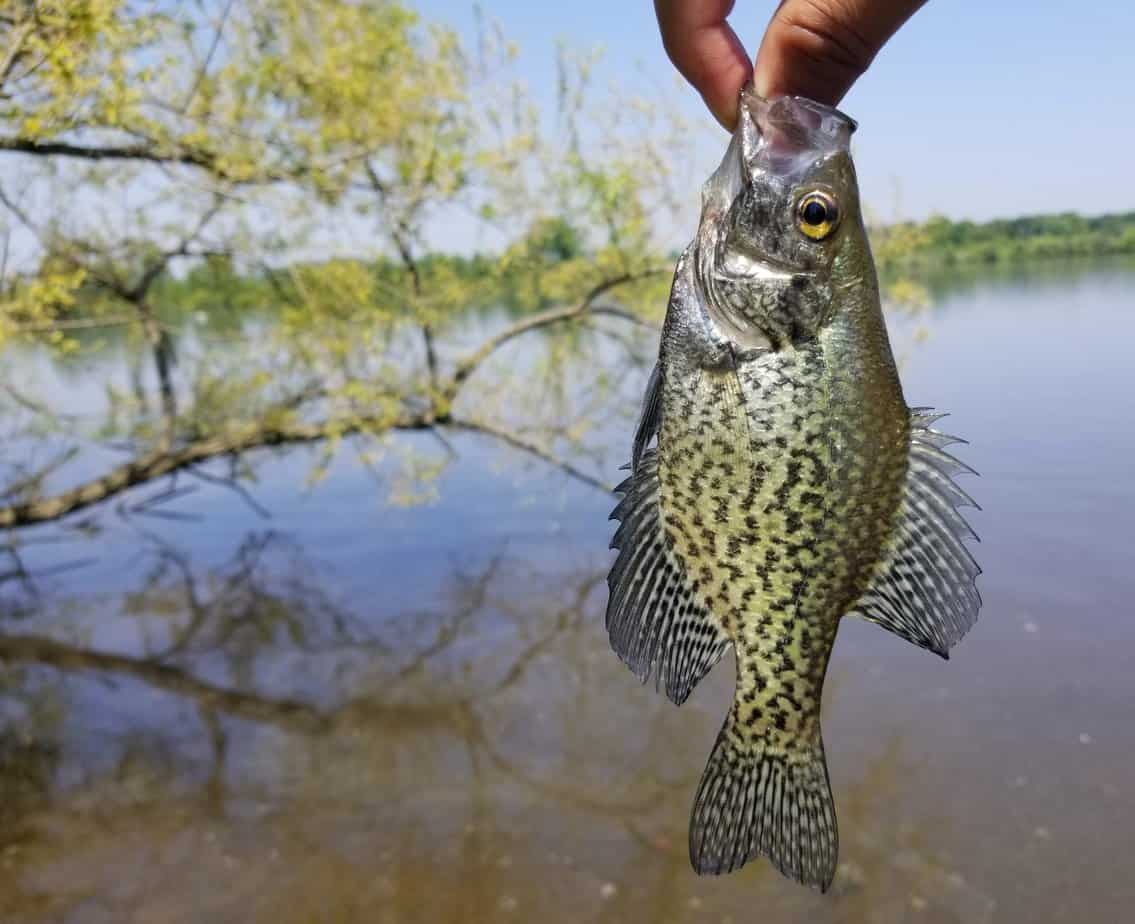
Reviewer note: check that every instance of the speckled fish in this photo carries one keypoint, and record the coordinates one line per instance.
(791, 485)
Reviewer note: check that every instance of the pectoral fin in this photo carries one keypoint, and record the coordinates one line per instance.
(654, 618)
(924, 587)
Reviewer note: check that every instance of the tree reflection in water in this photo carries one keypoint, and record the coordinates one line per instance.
(252, 750)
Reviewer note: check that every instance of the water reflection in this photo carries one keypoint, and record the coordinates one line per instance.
(345, 711)
(257, 755)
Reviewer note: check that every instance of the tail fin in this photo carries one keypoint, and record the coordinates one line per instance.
(762, 798)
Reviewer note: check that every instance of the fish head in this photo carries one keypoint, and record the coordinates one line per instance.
(781, 229)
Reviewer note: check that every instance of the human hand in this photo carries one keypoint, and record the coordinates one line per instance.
(813, 48)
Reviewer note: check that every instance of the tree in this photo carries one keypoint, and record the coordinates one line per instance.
(288, 160)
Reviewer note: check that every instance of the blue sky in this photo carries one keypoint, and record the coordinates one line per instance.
(975, 109)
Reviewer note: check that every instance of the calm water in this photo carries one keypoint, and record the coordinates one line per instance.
(352, 711)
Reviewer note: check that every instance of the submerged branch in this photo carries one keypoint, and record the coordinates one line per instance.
(166, 677)
(166, 461)
(293, 715)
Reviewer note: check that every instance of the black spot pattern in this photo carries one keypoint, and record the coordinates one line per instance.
(655, 619)
(780, 508)
(769, 802)
(790, 487)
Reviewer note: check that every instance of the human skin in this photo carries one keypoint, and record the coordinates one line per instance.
(813, 48)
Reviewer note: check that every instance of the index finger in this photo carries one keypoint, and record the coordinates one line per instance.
(707, 51)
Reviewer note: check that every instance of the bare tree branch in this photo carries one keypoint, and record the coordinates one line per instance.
(539, 452)
(63, 324)
(150, 273)
(14, 207)
(15, 48)
(400, 233)
(586, 306)
(33, 481)
(234, 485)
(154, 152)
(203, 70)
(147, 153)
(36, 407)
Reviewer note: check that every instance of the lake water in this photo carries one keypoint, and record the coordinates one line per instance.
(356, 711)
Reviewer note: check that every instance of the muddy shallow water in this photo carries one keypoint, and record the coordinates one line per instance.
(360, 712)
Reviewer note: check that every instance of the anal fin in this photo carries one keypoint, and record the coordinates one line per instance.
(655, 621)
(924, 587)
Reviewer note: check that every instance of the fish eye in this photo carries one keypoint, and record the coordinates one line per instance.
(817, 215)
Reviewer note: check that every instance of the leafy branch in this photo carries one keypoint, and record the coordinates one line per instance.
(277, 431)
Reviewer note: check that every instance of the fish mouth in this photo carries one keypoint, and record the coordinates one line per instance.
(796, 124)
(744, 266)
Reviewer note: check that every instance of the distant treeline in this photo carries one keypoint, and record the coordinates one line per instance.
(507, 280)
(535, 271)
(940, 241)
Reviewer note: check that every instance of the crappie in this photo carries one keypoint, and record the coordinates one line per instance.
(791, 485)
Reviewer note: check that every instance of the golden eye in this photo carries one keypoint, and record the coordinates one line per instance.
(817, 215)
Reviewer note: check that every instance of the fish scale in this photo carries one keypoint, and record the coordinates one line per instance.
(750, 519)
(790, 486)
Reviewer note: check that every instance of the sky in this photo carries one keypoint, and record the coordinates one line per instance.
(976, 108)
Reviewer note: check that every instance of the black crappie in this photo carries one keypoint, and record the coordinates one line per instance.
(791, 485)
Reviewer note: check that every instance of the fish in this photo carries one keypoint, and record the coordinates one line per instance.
(779, 482)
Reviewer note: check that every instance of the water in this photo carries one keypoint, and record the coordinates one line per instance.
(352, 711)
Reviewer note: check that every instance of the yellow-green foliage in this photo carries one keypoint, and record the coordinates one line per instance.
(262, 180)
(941, 242)
(68, 65)
(32, 304)
(292, 86)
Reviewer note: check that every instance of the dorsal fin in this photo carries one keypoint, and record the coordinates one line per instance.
(656, 623)
(924, 587)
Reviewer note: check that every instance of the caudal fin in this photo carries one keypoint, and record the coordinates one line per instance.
(759, 798)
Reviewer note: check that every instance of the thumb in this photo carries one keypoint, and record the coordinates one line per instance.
(819, 48)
